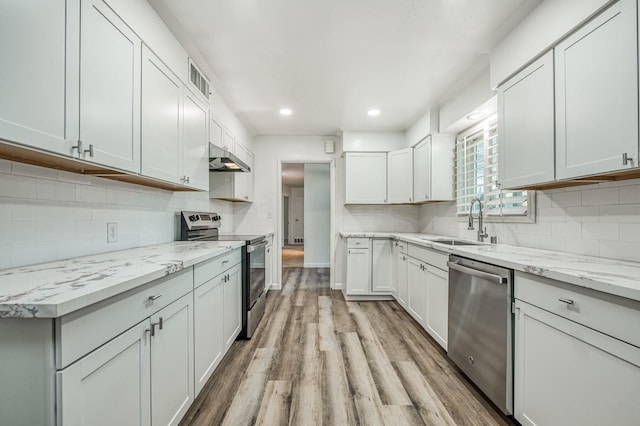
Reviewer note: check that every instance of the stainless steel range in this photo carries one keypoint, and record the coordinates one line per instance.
(204, 226)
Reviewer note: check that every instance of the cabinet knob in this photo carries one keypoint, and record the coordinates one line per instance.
(626, 159)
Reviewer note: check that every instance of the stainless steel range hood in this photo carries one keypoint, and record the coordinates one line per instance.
(221, 160)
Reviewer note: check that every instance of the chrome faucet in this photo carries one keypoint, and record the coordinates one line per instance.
(482, 233)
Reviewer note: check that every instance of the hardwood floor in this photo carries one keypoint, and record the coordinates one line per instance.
(316, 359)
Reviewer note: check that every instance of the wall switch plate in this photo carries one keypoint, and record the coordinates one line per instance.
(112, 232)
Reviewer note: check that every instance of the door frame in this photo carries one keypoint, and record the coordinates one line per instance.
(332, 215)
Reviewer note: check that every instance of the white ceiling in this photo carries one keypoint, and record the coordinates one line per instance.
(332, 60)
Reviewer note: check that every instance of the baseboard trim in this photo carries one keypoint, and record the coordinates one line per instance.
(316, 265)
(337, 286)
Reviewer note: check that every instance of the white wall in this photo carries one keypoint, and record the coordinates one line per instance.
(539, 31)
(598, 220)
(317, 215)
(425, 125)
(372, 141)
(47, 215)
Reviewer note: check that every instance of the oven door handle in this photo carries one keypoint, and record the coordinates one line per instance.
(477, 273)
(253, 247)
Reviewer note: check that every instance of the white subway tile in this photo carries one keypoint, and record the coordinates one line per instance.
(74, 177)
(13, 186)
(629, 232)
(35, 211)
(630, 194)
(5, 256)
(73, 211)
(620, 250)
(583, 214)
(56, 230)
(566, 229)
(566, 199)
(601, 231)
(543, 199)
(551, 214)
(5, 166)
(68, 249)
(91, 194)
(55, 190)
(121, 197)
(583, 246)
(623, 213)
(33, 171)
(599, 197)
(553, 243)
(31, 253)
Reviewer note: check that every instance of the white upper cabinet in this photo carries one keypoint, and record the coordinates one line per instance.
(161, 110)
(526, 126)
(109, 88)
(433, 168)
(216, 132)
(422, 171)
(32, 105)
(195, 146)
(366, 177)
(597, 95)
(400, 177)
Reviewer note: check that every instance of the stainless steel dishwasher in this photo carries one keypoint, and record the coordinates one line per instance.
(481, 327)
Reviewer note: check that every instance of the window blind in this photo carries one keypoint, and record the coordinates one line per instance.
(476, 172)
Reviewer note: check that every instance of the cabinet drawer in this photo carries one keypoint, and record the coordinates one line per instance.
(430, 256)
(204, 271)
(616, 316)
(401, 246)
(81, 332)
(357, 242)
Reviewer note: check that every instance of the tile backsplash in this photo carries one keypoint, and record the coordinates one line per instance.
(599, 220)
(46, 214)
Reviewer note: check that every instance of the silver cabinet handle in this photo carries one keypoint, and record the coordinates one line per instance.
(409, 198)
(225, 261)
(567, 301)
(188, 179)
(154, 297)
(426, 197)
(477, 273)
(626, 159)
(152, 330)
(90, 150)
(160, 323)
(78, 147)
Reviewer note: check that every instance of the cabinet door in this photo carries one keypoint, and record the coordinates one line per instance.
(417, 290)
(381, 260)
(268, 267)
(403, 279)
(366, 178)
(597, 94)
(526, 126)
(422, 171)
(442, 158)
(243, 185)
(32, 105)
(172, 362)
(358, 271)
(110, 386)
(228, 140)
(400, 176)
(195, 149)
(438, 304)
(215, 132)
(207, 325)
(232, 309)
(568, 374)
(109, 88)
(161, 110)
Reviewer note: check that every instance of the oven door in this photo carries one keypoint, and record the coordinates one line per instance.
(256, 253)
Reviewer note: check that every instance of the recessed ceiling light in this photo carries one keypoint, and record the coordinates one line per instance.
(476, 115)
(373, 112)
(285, 111)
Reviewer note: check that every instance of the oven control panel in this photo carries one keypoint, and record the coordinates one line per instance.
(201, 220)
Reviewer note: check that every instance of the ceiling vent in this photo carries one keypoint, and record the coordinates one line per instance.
(198, 80)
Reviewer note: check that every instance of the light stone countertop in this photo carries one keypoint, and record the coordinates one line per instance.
(51, 290)
(617, 277)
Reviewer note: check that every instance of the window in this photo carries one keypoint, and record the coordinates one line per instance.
(476, 172)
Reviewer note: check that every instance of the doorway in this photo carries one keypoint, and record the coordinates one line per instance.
(306, 220)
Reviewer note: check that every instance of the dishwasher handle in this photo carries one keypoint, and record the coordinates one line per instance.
(477, 273)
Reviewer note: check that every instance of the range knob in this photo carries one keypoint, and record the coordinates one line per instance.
(193, 218)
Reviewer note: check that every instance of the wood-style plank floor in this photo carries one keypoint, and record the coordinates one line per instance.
(316, 359)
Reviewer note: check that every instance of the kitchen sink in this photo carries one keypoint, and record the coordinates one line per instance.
(456, 242)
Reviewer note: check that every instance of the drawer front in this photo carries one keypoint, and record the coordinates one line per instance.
(401, 246)
(204, 271)
(357, 242)
(80, 332)
(430, 256)
(612, 315)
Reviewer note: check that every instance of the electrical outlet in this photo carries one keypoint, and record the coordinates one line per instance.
(112, 232)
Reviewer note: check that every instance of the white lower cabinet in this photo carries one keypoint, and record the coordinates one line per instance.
(358, 271)
(209, 344)
(417, 294)
(568, 374)
(172, 362)
(381, 270)
(437, 322)
(401, 275)
(111, 385)
(232, 305)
